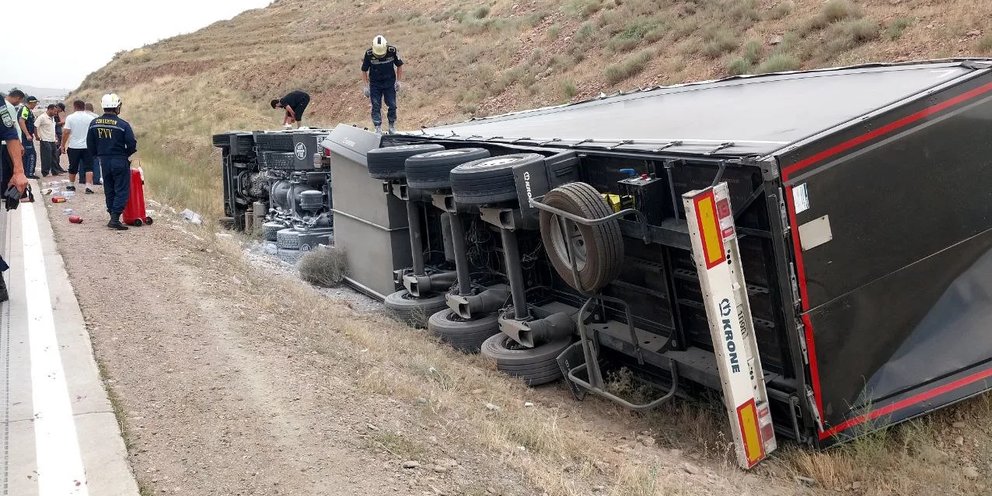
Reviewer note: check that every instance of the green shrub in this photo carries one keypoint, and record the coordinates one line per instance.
(838, 10)
(569, 90)
(631, 36)
(753, 51)
(631, 66)
(985, 44)
(895, 28)
(779, 11)
(582, 8)
(480, 12)
(779, 62)
(743, 10)
(861, 30)
(739, 66)
(844, 36)
(716, 42)
(553, 32)
(585, 33)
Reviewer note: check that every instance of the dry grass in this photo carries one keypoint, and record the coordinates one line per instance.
(324, 267)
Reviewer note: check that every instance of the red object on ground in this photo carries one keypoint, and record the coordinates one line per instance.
(134, 210)
(58, 199)
(75, 219)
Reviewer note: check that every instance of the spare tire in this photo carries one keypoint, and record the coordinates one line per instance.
(536, 366)
(432, 171)
(390, 162)
(598, 249)
(489, 180)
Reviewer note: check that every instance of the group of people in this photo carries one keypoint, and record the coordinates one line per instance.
(98, 147)
(48, 134)
(382, 72)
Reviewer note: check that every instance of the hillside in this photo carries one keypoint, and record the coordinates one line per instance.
(465, 60)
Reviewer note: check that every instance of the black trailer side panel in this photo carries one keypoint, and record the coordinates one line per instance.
(892, 226)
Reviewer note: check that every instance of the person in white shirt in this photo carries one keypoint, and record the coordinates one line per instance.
(77, 125)
(45, 125)
(97, 173)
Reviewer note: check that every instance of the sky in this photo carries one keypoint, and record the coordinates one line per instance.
(79, 44)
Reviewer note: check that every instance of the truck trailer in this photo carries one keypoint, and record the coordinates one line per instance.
(815, 247)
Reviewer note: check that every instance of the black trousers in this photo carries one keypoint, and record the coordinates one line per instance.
(49, 157)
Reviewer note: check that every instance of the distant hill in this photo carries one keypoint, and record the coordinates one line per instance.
(41, 93)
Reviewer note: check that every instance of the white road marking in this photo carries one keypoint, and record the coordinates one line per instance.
(60, 465)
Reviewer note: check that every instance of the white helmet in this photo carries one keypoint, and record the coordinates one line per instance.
(110, 101)
(379, 46)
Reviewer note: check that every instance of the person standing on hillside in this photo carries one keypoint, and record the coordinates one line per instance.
(111, 140)
(49, 147)
(77, 125)
(295, 103)
(382, 71)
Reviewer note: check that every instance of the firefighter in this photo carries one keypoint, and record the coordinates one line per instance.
(111, 142)
(382, 70)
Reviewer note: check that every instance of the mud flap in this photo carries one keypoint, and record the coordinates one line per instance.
(728, 311)
(569, 360)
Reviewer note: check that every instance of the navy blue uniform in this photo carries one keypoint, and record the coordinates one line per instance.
(30, 158)
(111, 141)
(8, 132)
(382, 82)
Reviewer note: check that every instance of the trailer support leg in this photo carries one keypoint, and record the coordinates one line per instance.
(461, 254)
(416, 239)
(515, 274)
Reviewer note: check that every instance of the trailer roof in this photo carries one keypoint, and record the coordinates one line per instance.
(753, 115)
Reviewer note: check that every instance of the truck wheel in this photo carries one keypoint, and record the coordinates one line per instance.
(414, 311)
(535, 366)
(598, 249)
(432, 171)
(489, 180)
(463, 335)
(390, 162)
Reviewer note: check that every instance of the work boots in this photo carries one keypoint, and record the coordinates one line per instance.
(378, 129)
(115, 223)
(392, 128)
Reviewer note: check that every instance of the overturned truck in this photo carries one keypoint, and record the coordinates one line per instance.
(815, 246)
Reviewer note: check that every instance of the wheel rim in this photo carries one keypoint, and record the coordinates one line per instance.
(565, 233)
(494, 162)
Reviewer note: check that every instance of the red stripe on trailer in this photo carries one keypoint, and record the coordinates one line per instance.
(797, 247)
(912, 400)
(886, 129)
